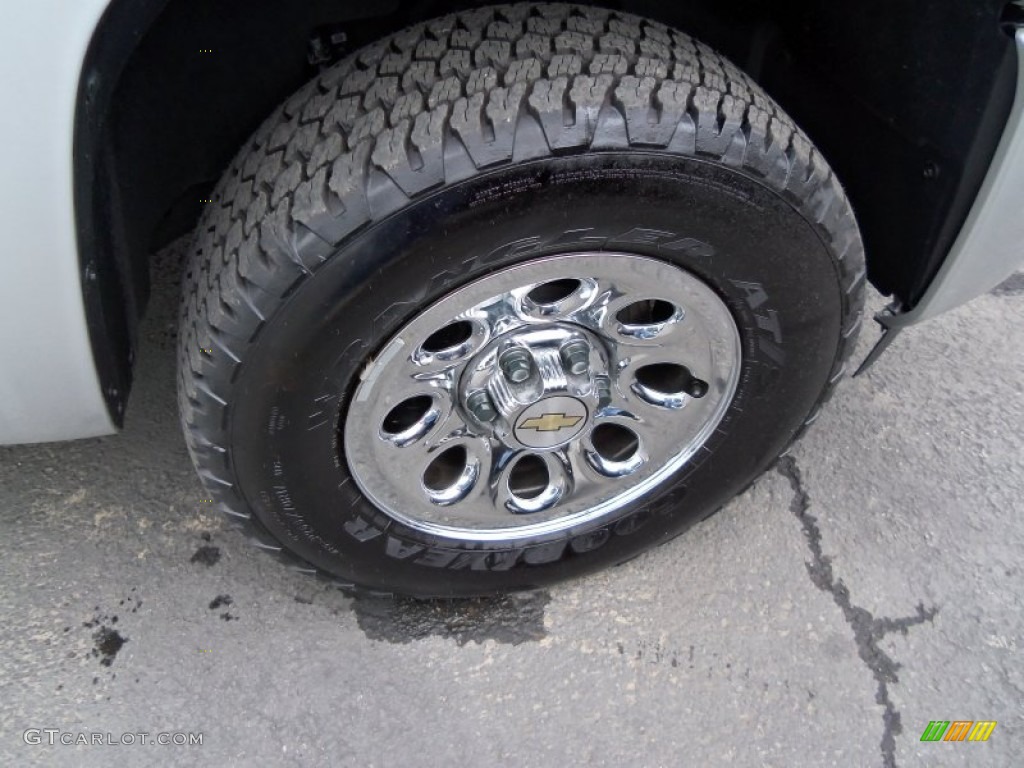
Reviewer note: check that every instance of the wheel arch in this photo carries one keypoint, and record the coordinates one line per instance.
(170, 88)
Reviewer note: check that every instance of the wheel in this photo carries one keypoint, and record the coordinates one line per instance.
(510, 296)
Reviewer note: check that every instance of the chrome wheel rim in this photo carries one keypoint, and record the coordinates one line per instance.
(542, 397)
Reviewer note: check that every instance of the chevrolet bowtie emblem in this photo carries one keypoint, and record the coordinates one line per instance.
(551, 422)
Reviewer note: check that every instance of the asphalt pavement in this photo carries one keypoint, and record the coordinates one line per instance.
(869, 584)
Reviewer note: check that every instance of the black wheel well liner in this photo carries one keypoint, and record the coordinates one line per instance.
(907, 103)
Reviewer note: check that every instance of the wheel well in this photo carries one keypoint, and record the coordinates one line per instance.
(906, 102)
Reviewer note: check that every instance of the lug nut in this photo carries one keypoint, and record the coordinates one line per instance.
(576, 357)
(696, 388)
(517, 364)
(480, 405)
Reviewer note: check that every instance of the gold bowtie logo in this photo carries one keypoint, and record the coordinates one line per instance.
(551, 422)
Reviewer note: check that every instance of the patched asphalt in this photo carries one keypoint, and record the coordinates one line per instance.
(868, 584)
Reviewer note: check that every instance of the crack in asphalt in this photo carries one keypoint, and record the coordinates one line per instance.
(867, 630)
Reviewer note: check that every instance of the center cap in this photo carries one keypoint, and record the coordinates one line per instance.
(551, 422)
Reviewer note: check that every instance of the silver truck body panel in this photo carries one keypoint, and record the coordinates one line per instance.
(49, 389)
(990, 246)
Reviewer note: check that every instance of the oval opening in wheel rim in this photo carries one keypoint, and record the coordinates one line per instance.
(546, 395)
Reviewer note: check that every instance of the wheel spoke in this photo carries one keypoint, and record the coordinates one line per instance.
(556, 484)
(488, 493)
(415, 415)
(593, 315)
(659, 427)
(447, 481)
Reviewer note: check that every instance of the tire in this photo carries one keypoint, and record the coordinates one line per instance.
(461, 150)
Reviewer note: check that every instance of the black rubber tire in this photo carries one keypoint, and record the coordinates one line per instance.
(458, 146)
